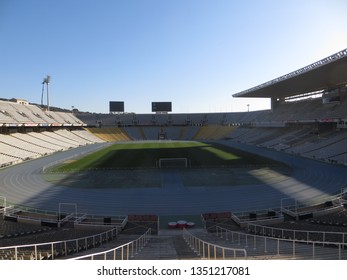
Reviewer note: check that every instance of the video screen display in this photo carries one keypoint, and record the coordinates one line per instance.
(161, 106)
(116, 106)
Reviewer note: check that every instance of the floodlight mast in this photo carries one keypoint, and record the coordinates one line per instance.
(45, 81)
(43, 89)
(48, 79)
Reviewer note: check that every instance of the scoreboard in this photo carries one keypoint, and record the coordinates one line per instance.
(161, 106)
(116, 106)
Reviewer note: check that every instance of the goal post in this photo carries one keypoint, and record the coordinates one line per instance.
(173, 163)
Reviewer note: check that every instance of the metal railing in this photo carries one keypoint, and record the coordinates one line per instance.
(79, 219)
(265, 247)
(303, 235)
(207, 250)
(51, 250)
(123, 252)
(95, 221)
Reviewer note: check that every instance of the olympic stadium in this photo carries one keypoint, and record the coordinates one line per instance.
(280, 188)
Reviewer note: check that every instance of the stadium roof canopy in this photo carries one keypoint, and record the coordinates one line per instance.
(327, 73)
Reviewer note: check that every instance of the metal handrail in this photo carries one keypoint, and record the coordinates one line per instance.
(78, 217)
(207, 250)
(288, 247)
(110, 234)
(262, 230)
(126, 250)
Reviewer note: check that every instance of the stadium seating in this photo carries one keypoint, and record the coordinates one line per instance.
(17, 152)
(6, 160)
(213, 132)
(29, 132)
(12, 140)
(110, 134)
(307, 128)
(12, 113)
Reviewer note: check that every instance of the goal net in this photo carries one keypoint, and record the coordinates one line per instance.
(172, 163)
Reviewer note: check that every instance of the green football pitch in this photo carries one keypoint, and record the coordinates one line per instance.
(135, 165)
(147, 154)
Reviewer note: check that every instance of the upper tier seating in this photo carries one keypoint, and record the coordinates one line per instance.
(12, 113)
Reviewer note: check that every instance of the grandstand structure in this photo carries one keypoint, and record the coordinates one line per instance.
(307, 116)
(306, 125)
(28, 132)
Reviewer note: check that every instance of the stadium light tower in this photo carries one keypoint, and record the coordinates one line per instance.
(45, 81)
(43, 89)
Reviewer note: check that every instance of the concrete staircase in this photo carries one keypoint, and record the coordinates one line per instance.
(170, 245)
(167, 245)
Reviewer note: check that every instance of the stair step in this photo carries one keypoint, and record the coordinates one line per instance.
(166, 248)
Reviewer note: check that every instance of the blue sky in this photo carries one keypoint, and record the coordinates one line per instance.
(194, 53)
